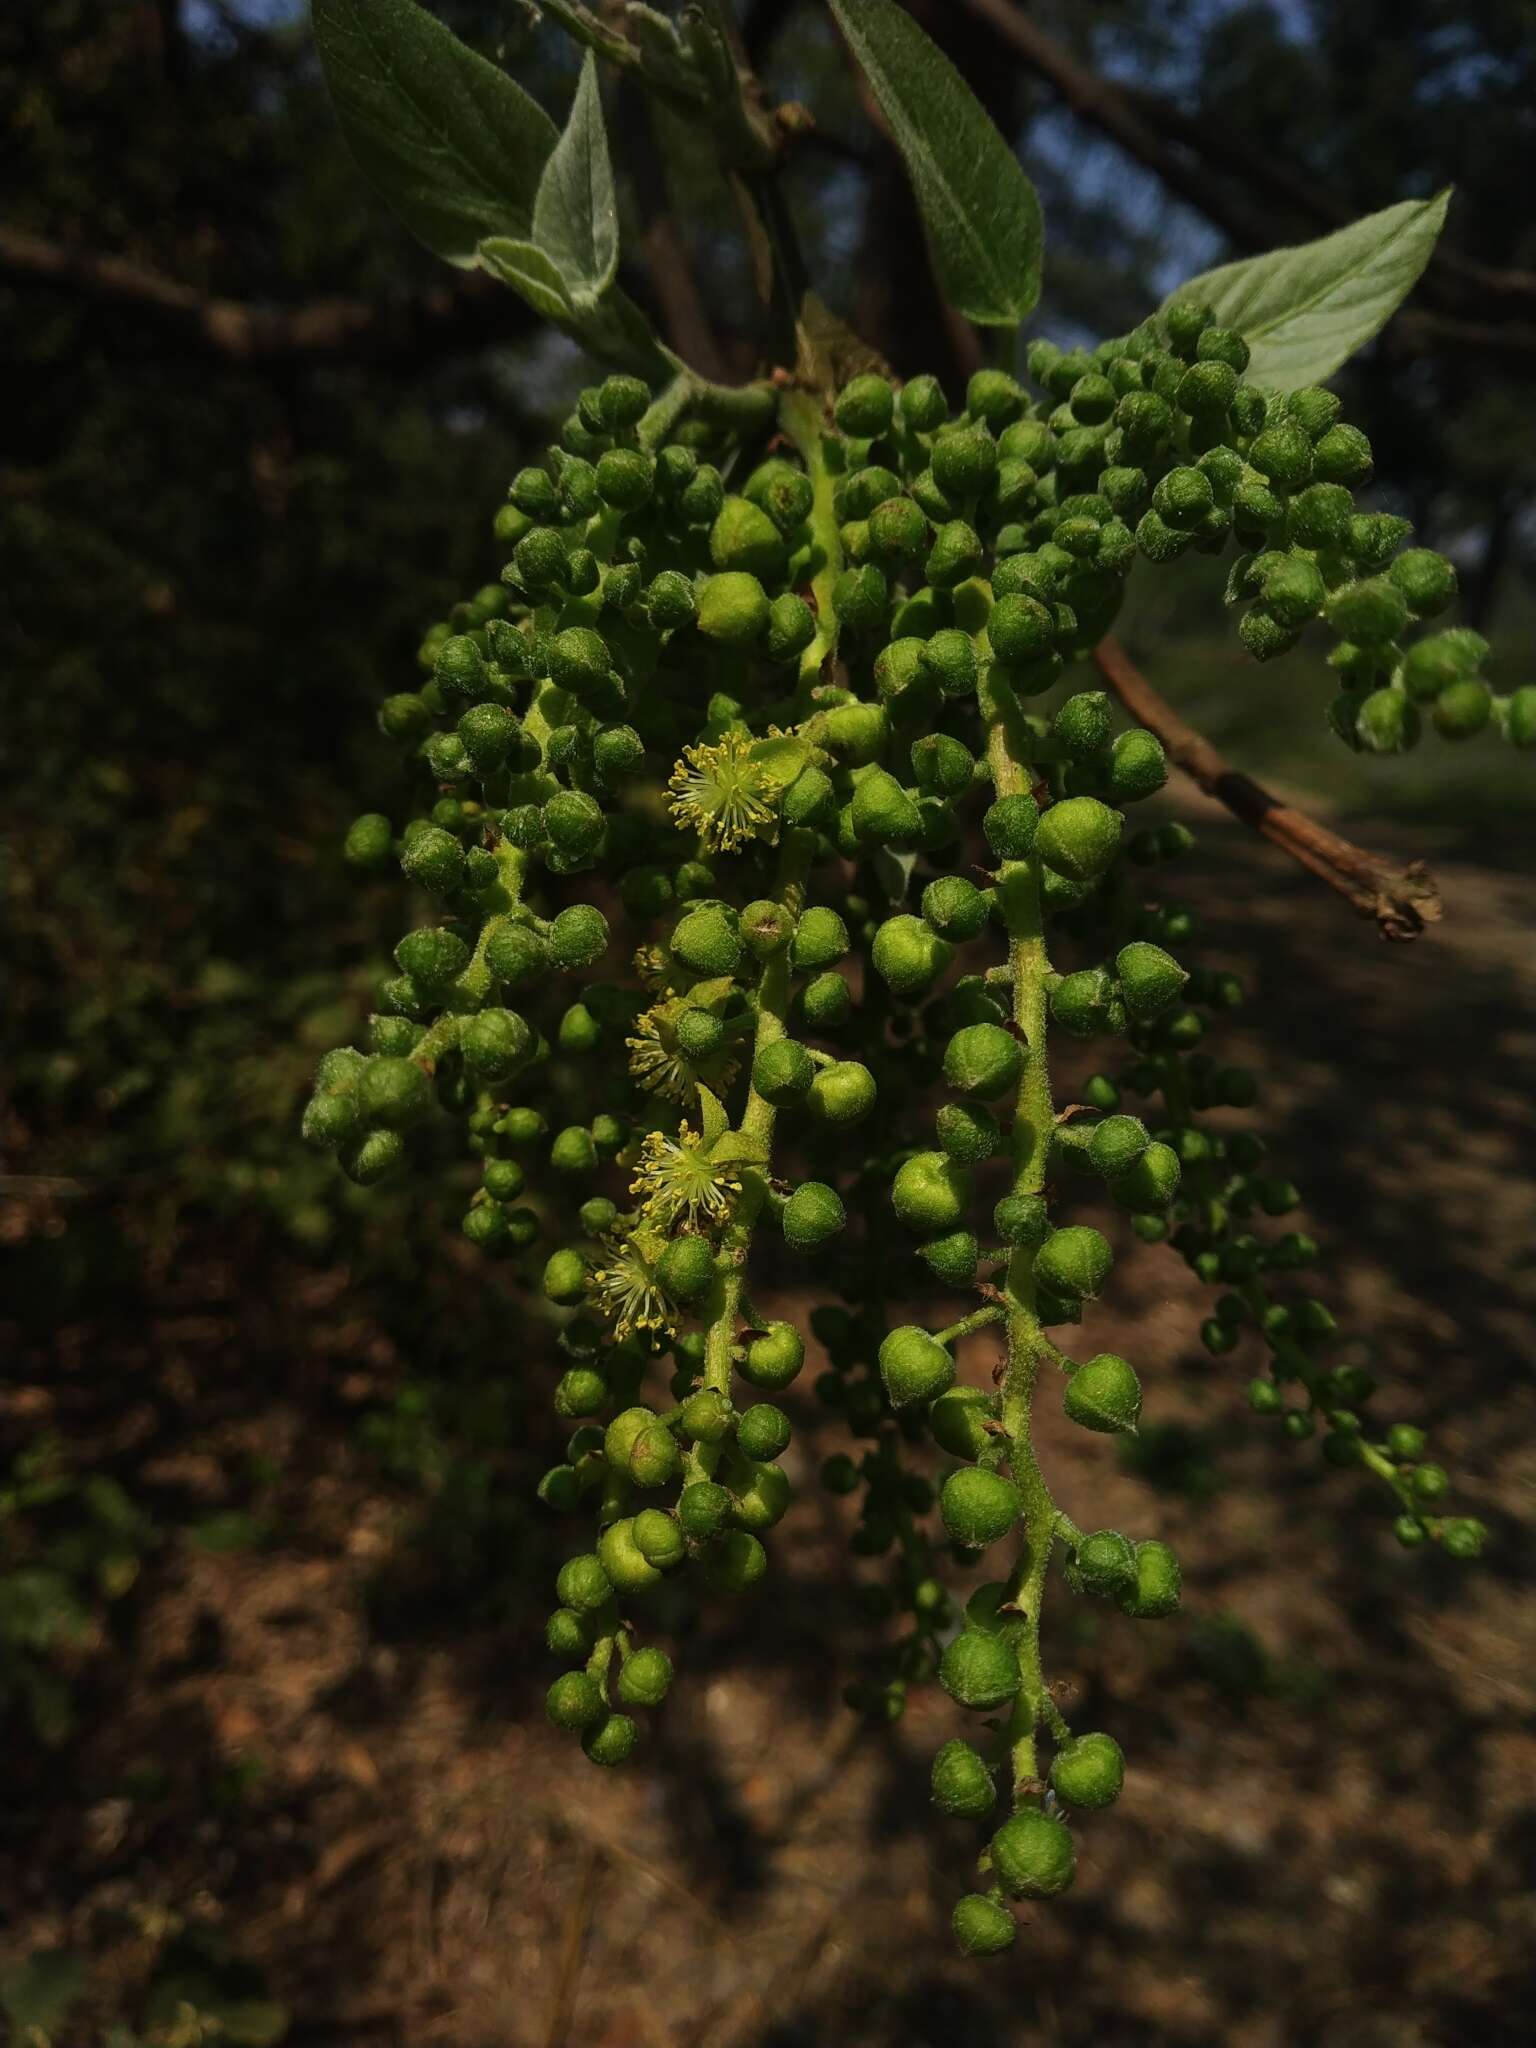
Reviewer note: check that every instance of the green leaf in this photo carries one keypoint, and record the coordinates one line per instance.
(451, 143)
(1304, 311)
(525, 267)
(982, 215)
(575, 213)
(612, 327)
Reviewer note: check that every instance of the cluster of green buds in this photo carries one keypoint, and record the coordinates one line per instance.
(765, 857)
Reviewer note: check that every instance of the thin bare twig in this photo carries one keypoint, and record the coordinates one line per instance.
(1403, 901)
(397, 333)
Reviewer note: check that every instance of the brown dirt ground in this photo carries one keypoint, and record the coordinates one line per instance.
(361, 1792)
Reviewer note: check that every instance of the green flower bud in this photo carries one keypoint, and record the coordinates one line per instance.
(1032, 1855)
(994, 396)
(763, 1432)
(1386, 722)
(1074, 1262)
(923, 405)
(984, 1060)
(1369, 611)
(744, 539)
(658, 1538)
(907, 956)
(964, 461)
(568, 1634)
(883, 813)
(370, 1159)
(708, 940)
(612, 1741)
(808, 798)
(1149, 978)
(843, 1092)
(737, 1562)
(565, 1278)
(580, 1391)
(914, 1366)
(898, 529)
(671, 600)
(579, 936)
(622, 1559)
(979, 1507)
(574, 1701)
(825, 1003)
(957, 1418)
(625, 478)
(495, 1043)
(1342, 455)
(956, 554)
(791, 627)
(856, 733)
(1088, 1772)
(955, 908)
(782, 1072)
(394, 1093)
(948, 659)
(1158, 1583)
(1442, 658)
(1463, 1538)
(865, 407)
(1282, 453)
(733, 607)
(979, 1671)
(952, 1258)
(1152, 1182)
(1117, 1144)
(435, 859)
(1022, 1220)
(1010, 825)
(981, 1926)
(686, 1269)
(583, 1584)
(369, 843)
(644, 1677)
(1021, 629)
(1078, 837)
(820, 939)
(761, 1496)
(1519, 717)
(930, 1193)
(861, 598)
(774, 1359)
(1462, 709)
(962, 1785)
(1103, 1394)
(1183, 497)
(813, 1213)
(1105, 1564)
(967, 1133)
(1426, 580)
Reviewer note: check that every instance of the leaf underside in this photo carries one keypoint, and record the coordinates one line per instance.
(453, 145)
(1304, 311)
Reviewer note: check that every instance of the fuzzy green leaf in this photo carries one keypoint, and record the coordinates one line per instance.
(1304, 311)
(451, 143)
(530, 272)
(981, 212)
(575, 213)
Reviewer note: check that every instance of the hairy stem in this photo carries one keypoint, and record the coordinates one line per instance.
(756, 1127)
(1033, 1121)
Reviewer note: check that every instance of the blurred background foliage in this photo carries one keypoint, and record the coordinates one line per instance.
(253, 439)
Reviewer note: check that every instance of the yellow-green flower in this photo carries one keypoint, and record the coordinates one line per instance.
(724, 794)
(624, 1288)
(677, 1178)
